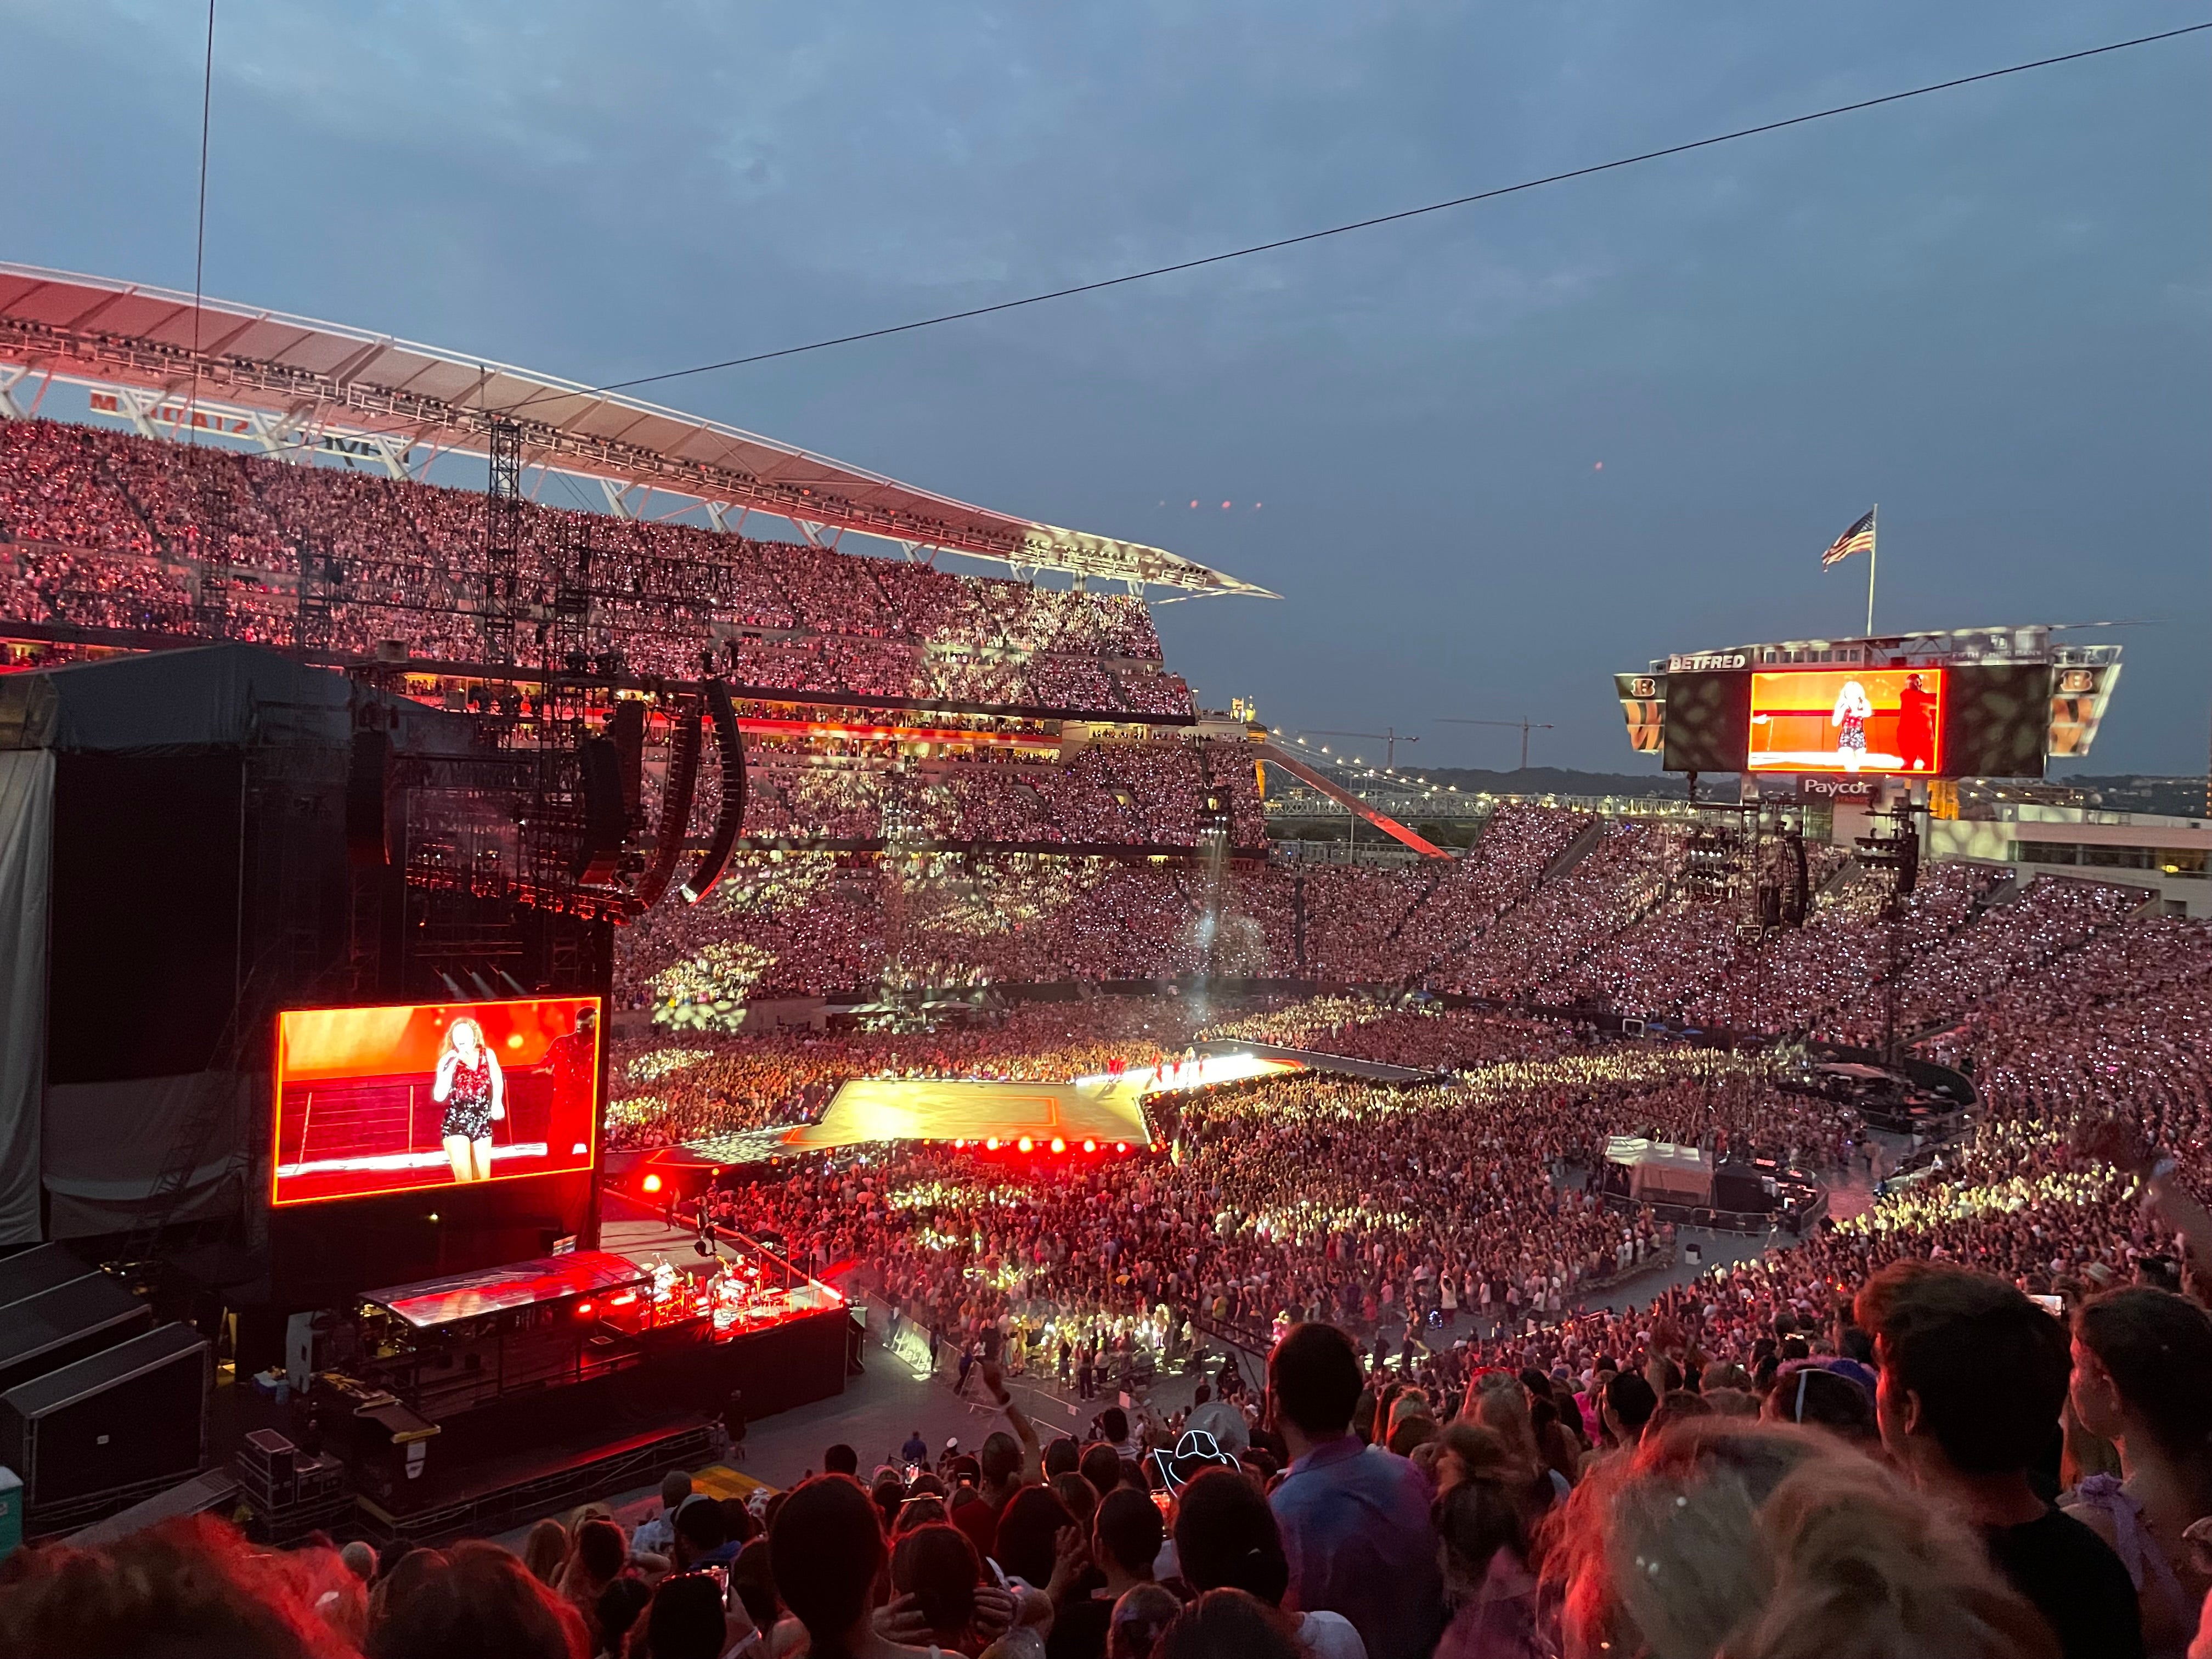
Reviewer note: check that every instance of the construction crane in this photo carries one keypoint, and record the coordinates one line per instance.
(1387, 736)
(1525, 728)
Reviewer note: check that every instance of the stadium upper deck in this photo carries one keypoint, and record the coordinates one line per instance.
(293, 386)
(116, 539)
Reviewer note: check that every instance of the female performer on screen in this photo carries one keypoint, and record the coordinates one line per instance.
(1853, 710)
(473, 1090)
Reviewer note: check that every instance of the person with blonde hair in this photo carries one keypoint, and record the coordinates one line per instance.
(1853, 709)
(1718, 1536)
(191, 1584)
(473, 1089)
(546, 1550)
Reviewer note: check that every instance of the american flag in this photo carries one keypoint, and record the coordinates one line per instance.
(1859, 538)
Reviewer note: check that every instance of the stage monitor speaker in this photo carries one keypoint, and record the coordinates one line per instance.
(43, 1267)
(131, 1417)
(369, 775)
(606, 825)
(58, 1327)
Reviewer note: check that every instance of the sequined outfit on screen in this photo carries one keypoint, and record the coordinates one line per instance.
(468, 1106)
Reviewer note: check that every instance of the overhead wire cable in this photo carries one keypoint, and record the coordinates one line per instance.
(1490, 195)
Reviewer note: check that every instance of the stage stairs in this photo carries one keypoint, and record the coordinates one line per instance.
(1275, 755)
(1572, 854)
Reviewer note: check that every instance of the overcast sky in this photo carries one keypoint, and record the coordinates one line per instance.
(1990, 310)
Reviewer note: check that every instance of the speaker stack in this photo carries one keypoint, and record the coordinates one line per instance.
(100, 1407)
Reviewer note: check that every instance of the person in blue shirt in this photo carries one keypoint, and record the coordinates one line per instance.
(1355, 1519)
(916, 1450)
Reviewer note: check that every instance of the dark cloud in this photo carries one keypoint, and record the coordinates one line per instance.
(1988, 311)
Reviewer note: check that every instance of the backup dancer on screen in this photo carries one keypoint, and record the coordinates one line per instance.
(473, 1090)
(1853, 711)
(1916, 726)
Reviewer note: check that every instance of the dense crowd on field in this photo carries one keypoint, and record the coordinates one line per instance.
(1446, 1229)
(114, 532)
(1133, 794)
(1975, 1418)
(1969, 1413)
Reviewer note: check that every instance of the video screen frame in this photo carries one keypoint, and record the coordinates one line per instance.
(413, 1103)
(1860, 722)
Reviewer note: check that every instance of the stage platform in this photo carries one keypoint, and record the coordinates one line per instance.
(1104, 1114)
(524, 1485)
(1314, 1059)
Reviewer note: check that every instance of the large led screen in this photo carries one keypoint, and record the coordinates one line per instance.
(427, 1095)
(1850, 721)
(1705, 713)
(1997, 720)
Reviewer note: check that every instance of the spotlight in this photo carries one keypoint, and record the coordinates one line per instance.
(1058, 1145)
(1024, 1145)
(583, 1310)
(991, 1143)
(1090, 1145)
(653, 1183)
(1120, 1145)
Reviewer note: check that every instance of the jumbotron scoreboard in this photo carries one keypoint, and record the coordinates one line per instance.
(1980, 702)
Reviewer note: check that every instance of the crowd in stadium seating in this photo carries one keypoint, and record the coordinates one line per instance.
(1616, 930)
(1505, 1421)
(1124, 795)
(114, 531)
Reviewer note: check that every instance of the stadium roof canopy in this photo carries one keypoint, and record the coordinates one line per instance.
(294, 383)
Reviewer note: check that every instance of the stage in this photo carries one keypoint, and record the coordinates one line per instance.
(1107, 1113)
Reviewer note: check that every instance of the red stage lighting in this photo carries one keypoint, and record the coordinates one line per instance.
(991, 1143)
(1120, 1145)
(653, 1183)
(1058, 1145)
(1024, 1145)
(1090, 1145)
(583, 1310)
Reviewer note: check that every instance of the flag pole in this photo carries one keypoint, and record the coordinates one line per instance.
(1874, 552)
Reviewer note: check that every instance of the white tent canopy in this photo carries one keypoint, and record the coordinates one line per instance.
(1660, 1172)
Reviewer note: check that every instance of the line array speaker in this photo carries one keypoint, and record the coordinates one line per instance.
(369, 777)
(732, 816)
(606, 825)
(676, 793)
(627, 731)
